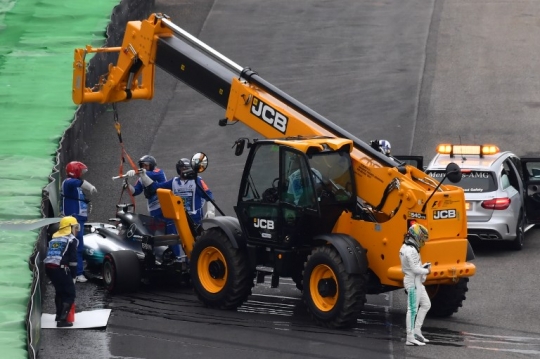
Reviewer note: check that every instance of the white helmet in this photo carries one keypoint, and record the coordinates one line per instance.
(385, 147)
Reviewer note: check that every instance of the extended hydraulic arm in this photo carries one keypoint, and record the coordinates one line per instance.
(245, 95)
(151, 42)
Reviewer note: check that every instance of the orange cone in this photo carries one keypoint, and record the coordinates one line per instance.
(71, 315)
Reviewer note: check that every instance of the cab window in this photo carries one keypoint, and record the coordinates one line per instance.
(298, 189)
(331, 172)
(263, 171)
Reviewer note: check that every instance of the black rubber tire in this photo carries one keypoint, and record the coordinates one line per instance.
(447, 299)
(517, 243)
(298, 272)
(346, 305)
(121, 272)
(227, 290)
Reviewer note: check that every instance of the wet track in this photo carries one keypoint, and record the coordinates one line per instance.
(414, 72)
(265, 326)
(169, 321)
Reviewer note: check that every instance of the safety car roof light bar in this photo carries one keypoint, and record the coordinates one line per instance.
(480, 150)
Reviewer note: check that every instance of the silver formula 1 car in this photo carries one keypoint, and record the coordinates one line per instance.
(132, 251)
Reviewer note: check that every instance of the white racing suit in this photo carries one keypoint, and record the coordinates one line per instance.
(418, 303)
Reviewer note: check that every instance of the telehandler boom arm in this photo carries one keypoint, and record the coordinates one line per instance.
(245, 95)
(199, 66)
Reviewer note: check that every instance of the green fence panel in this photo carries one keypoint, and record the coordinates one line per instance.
(37, 39)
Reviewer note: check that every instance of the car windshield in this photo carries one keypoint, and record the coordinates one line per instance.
(472, 181)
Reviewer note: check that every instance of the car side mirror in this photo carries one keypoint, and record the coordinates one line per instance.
(453, 172)
(199, 162)
(239, 144)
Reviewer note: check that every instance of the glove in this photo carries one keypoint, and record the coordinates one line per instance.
(146, 181)
(210, 210)
(88, 187)
(131, 173)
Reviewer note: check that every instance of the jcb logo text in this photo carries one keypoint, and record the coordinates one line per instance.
(269, 115)
(263, 223)
(444, 214)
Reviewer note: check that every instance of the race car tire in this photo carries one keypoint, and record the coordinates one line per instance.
(121, 272)
(333, 297)
(447, 299)
(220, 273)
(517, 243)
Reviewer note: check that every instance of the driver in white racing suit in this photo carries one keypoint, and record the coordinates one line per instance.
(418, 303)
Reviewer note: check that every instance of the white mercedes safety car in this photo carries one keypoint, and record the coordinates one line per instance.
(502, 190)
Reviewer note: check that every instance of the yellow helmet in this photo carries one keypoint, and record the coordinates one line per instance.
(66, 223)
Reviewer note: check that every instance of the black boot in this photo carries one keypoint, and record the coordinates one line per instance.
(62, 323)
(58, 304)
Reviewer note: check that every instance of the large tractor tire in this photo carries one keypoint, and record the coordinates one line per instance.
(220, 273)
(121, 272)
(447, 299)
(298, 271)
(334, 298)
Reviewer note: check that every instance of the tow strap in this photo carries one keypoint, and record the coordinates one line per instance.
(123, 156)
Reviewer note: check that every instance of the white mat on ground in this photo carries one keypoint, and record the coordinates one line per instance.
(89, 319)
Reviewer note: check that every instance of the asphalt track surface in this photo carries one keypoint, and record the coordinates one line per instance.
(416, 73)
